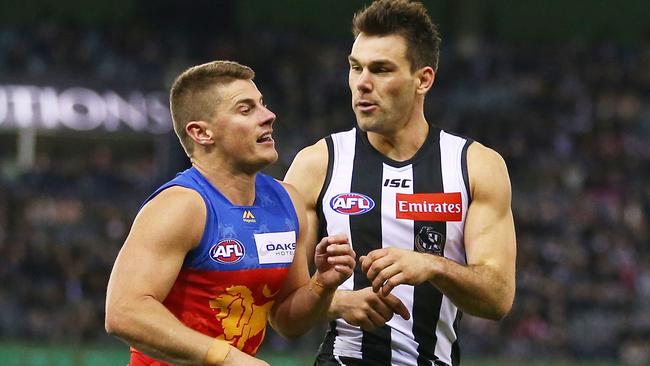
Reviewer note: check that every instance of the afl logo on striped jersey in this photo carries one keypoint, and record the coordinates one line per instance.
(351, 203)
(227, 251)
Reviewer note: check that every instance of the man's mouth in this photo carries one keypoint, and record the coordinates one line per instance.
(265, 138)
(365, 106)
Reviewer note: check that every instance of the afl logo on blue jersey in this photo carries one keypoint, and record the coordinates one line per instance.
(351, 203)
(227, 251)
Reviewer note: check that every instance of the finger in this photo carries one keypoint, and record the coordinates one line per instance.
(345, 271)
(366, 324)
(361, 260)
(392, 282)
(338, 239)
(365, 262)
(377, 253)
(377, 319)
(342, 260)
(371, 257)
(396, 305)
(321, 247)
(380, 280)
(382, 308)
(339, 249)
(378, 266)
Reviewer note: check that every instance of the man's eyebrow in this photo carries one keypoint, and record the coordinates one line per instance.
(249, 101)
(382, 62)
(379, 62)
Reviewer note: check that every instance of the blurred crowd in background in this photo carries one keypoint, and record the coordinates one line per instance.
(571, 119)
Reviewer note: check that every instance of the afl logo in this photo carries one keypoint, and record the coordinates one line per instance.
(351, 203)
(227, 251)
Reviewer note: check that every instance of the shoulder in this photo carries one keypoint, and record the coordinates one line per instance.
(308, 171)
(487, 170)
(178, 197)
(477, 152)
(313, 155)
(297, 201)
(176, 212)
(296, 198)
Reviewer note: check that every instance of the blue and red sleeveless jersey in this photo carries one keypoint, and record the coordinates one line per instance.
(229, 282)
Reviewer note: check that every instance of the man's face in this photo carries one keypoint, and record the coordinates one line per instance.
(383, 87)
(243, 127)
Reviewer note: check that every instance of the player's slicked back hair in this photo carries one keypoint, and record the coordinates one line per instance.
(407, 19)
(195, 95)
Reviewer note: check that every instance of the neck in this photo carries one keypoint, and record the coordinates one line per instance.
(403, 143)
(237, 186)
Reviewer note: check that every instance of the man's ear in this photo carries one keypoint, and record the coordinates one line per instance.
(200, 132)
(425, 77)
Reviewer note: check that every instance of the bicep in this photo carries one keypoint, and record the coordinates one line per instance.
(164, 231)
(307, 175)
(489, 226)
(298, 273)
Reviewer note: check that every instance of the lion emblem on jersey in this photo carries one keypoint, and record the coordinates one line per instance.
(430, 241)
(241, 318)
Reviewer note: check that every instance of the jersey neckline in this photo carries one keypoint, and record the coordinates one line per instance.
(432, 136)
(206, 182)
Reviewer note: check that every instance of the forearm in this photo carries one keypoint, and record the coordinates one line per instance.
(477, 290)
(150, 328)
(335, 310)
(302, 309)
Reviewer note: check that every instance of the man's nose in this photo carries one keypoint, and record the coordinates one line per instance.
(364, 82)
(268, 116)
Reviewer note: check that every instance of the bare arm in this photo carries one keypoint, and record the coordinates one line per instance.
(145, 270)
(307, 175)
(485, 287)
(303, 301)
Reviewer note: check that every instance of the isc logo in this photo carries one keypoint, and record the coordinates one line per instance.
(227, 251)
(394, 183)
(351, 203)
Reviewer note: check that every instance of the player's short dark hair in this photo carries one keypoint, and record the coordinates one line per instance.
(194, 94)
(407, 19)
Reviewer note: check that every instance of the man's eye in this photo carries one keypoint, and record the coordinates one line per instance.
(355, 67)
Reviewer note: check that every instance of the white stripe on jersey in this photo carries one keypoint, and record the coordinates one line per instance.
(451, 153)
(445, 331)
(348, 341)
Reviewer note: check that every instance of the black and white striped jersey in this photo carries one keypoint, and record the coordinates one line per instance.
(419, 204)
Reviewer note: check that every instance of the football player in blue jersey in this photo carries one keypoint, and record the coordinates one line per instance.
(220, 249)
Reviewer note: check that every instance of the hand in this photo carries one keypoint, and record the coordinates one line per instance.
(367, 309)
(334, 260)
(389, 267)
(238, 358)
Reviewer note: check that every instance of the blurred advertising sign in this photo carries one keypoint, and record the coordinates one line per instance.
(83, 109)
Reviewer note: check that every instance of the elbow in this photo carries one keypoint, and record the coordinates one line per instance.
(501, 309)
(112, 323)
(290, 332)
(499, 312)
(115, 322)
